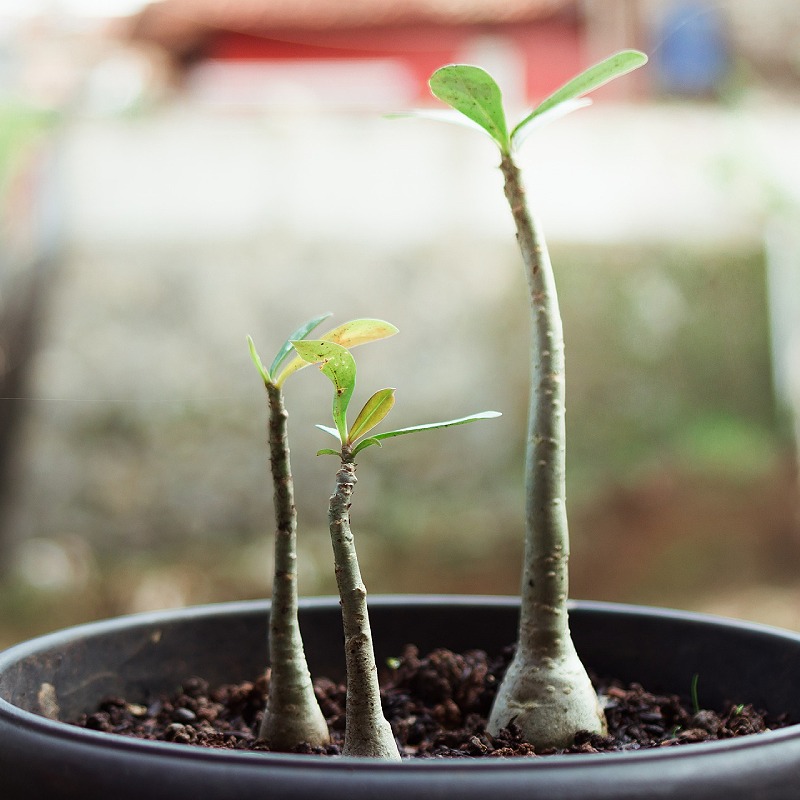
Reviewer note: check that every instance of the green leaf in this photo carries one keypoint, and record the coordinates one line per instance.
(592, 78)
(473, 92)
(257, 361)
(300, 333)
(336, 362)
(326, 451)
(366, 443)
(349, 334)
(378, 437)
(375, 409)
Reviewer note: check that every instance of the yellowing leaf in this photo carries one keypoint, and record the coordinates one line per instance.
(349, 334)
(359, 331)
(375, 409)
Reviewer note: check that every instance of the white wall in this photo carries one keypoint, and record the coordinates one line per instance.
(602, 174)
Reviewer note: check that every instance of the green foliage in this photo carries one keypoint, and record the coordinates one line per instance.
(473, 92)
(349, 334)
(301, 333)
(430, 426)
(262, 370)
(590, 79)
(338, 364)
(375, 409)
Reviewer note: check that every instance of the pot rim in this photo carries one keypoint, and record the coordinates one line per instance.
(65, 731)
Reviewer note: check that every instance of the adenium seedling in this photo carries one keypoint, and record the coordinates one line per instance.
(292, 715)
(546, 691)
(367, 733)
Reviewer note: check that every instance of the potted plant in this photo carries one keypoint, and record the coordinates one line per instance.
(58, 676)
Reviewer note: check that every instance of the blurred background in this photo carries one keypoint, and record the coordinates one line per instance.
(177, 175)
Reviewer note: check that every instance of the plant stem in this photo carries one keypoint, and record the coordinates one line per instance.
(292, 715)
(546, 691)
(367, 733)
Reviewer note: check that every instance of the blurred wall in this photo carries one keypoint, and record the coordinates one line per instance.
(190, 225)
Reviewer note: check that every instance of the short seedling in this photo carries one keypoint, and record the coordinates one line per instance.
(292, 715)
(367, 733)
(546, 691)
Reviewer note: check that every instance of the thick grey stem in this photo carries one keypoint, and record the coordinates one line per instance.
(546, 691)
(367, 733)
(292, 715)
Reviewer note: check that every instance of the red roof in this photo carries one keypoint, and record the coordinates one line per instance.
(177, 24)
(252, 15)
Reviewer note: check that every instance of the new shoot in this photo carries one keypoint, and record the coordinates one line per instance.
(367, 732)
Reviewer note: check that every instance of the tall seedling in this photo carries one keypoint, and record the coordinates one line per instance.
(546, 691)
(367, 732)
(292, 715)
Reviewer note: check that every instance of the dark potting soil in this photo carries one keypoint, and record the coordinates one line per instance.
(437, 706)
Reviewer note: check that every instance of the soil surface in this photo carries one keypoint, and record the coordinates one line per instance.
(437, 706)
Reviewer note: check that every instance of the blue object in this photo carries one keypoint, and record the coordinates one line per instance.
(691, 52)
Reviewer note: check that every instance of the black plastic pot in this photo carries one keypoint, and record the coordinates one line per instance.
(41, 758)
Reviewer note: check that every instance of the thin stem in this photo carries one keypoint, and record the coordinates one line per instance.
(293, 715)
(367, 733)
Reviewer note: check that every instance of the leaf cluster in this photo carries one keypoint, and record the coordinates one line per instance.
(473, 92)
(349, 334)
(338, 364)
